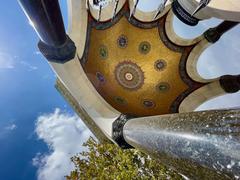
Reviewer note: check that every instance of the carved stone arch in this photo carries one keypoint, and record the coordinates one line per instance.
(174, 37)
(106, 12)
(201, 95)
(147, 16)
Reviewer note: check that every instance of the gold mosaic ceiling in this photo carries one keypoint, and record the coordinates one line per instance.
(133, 69)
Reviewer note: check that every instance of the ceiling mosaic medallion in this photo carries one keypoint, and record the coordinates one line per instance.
(163, 87)
(148, 103)
(100, 77)
(129, 75)
(144, 47)
(103, 52)
(120, 100)
(160, 65)
(122, 41)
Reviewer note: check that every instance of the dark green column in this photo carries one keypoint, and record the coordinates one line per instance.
(46, 17)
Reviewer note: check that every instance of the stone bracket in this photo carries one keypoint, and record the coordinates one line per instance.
(230, 83)
(59, 54)
(117, 131)
(212, 35)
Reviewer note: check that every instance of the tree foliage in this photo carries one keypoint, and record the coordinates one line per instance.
(108, 161)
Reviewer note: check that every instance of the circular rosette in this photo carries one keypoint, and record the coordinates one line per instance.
(148, 103)
(160, 65)
(144, 47)
(129, 75)
(163, 87)
(122, 41)
(103, 52)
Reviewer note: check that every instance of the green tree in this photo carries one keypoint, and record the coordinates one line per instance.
(108, 161)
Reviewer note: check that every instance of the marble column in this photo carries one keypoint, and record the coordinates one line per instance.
(199, 145)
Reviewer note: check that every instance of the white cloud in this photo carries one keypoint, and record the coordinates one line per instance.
(11, 127)
(222, 102)
(38, 160)
(37, 53)
(5, 131)
(148, 5)
(29, 66)
(6, 61)
(64, 135)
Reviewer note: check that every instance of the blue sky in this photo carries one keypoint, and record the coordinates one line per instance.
(38, 129)
(27, 91)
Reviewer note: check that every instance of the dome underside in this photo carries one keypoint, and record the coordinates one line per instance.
(134, 66)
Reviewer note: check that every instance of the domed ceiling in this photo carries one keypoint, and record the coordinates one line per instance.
(134, 66)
